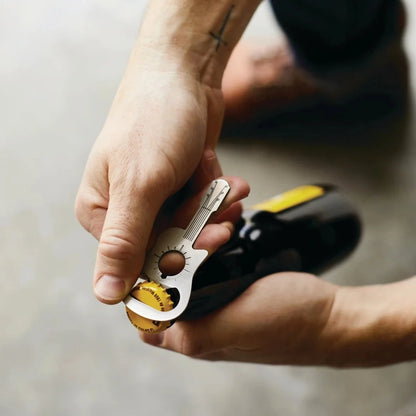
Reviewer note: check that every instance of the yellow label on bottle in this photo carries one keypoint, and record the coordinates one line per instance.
(290, 198)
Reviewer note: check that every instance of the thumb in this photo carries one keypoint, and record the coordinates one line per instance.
(122, 245)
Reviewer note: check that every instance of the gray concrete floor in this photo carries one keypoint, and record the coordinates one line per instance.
(62, 352)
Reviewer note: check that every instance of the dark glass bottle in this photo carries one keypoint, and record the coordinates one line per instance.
(309, 229)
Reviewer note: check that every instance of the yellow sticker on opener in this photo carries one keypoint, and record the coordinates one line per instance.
(290, 198)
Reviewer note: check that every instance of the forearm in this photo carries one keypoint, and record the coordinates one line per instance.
(195, 36)
(372, 325)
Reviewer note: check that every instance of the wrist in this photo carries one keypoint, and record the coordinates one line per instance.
(192, 37)
(371, 325)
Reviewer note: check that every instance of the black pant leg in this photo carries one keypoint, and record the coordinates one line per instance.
(327, 35)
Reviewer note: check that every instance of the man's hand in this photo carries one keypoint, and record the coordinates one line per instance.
(161, 131)
(156, 137)
(299, 319)
(277, 320)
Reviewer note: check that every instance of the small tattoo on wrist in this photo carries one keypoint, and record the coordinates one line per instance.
(218, 36)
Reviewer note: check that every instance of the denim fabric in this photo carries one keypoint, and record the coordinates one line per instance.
(327, 35)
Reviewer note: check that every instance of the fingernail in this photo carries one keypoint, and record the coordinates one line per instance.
(228, 225)
(212, 167)
(110, 288)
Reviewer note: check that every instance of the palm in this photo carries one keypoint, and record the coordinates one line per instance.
(277, 320)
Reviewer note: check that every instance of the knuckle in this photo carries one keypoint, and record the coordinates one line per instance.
(89, 216)
(191, 345)
(81, 210)
(90, 210)
(116, 245)
(140, 182)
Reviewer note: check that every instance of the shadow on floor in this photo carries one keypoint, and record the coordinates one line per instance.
(365, 132)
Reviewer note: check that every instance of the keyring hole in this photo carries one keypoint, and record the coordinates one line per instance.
(171, 263)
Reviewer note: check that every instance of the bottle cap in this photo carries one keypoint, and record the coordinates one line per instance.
(156, 296)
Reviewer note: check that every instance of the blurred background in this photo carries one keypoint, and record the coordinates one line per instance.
(64, 353)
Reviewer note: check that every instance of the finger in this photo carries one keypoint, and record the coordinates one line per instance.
(208, 169)
(193, 339)
(213, 236)
(239, 189)
(230, 211)
(263, 324)
(90, 215)
(208, 338)
(92, 198)
(231, 214)
(223, 330)
(122, 245)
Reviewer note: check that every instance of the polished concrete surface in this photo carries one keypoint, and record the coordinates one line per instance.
(64, 353)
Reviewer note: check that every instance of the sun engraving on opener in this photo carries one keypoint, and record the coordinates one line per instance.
(171, 261)
(178, 252)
